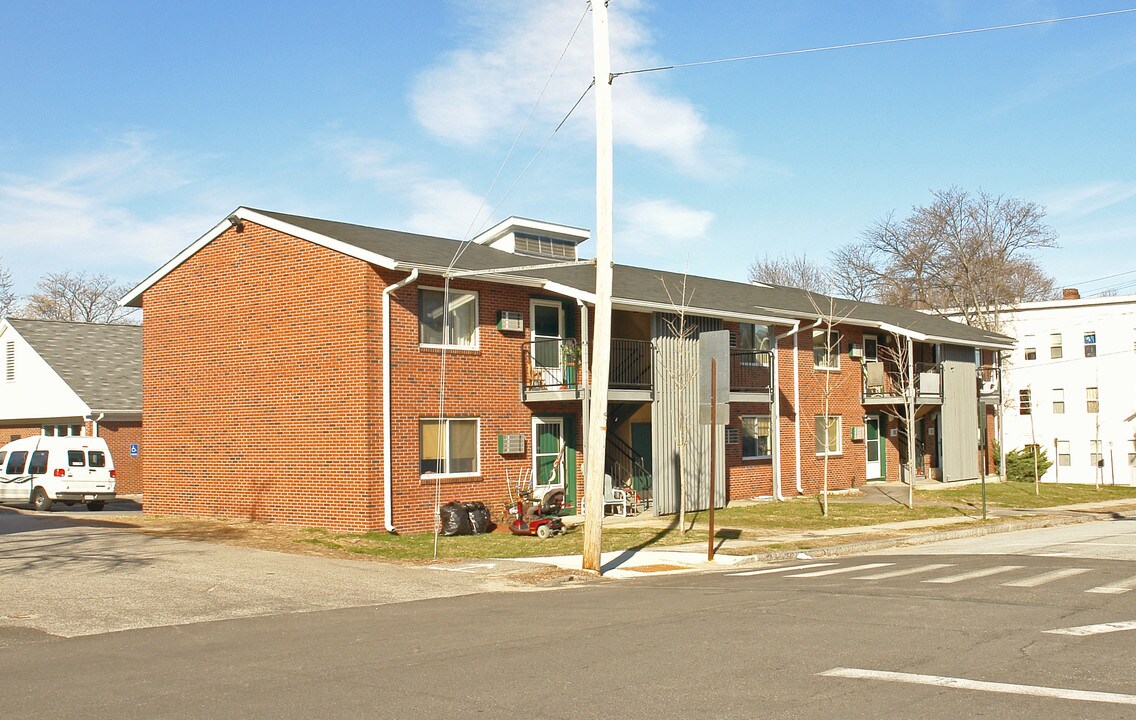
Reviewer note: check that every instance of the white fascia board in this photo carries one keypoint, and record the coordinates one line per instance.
(569, 291)
(518, 223)
(244, 213)
(707, 312)
(896, 330)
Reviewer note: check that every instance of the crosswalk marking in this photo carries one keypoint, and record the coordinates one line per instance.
(836, 571)
(974, 574)
(906, 571)
(1121, 586)
(1094, 629)
(1045, 578)
(779, 569)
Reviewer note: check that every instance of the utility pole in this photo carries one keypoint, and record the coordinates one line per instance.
(601, 356)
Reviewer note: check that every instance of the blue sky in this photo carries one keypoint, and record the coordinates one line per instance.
(128, 128)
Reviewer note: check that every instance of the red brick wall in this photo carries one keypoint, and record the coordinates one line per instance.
(260, 384)
(19, 431)
(127, 470)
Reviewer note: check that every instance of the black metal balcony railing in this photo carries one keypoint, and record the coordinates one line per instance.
(751, 371)
(555, 365)
(884, 381)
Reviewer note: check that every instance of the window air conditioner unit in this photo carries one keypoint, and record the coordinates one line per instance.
(510, 321)
(510, 444)
(732, 436)
(858, 432)
(855, 351)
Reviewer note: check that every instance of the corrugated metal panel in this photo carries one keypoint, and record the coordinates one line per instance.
(959, 414)
(681, 445)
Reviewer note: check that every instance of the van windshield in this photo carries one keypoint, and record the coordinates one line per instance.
(97, 458)
(75, 458)
(38, 465)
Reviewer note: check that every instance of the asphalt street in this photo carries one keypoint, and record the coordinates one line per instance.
(1040, 629)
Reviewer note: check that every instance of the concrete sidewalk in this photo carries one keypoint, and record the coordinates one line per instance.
(845, 541)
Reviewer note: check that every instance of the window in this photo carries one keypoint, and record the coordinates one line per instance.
(38, 465)
(1090, 344)
(826, 350)
(1025, 406)
(1064, 458)
(1030, 350)
(1055, 345)
(757, 437)
(10, 361)
(1058, 401)
(448, 447)
(828, 435)
(16, 462)
(871, 348)
(96, 458)
(1092, 402)
(461, 318)
(754, 337)
(75, 458)
(1096, 459)
(1131, 454)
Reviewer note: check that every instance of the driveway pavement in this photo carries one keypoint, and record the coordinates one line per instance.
(72, 574)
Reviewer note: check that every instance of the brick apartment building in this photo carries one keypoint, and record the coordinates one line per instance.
(312, 372)
(70, 378)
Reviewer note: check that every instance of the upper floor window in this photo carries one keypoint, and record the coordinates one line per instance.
(1025, 406)
(1058, 401)
(756, 338)
(826, 350)
(1055, 346)
(1090, 344)
(1030, 348)
(1092, 400)
(453, 326)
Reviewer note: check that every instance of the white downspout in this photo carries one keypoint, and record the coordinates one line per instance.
(388, 493)
(797, 399)
(95, 423)
(778, 494)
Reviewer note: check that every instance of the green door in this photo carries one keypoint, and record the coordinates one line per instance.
(554, 456)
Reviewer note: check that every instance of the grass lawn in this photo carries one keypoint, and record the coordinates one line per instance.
(1021, 495)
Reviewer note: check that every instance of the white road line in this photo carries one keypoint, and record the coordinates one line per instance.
(1121, 586)
(1045, 578)
(777, 570)
(905, 571)
(1094, 629)
(836, 571)
(964, 684)
(973, 574)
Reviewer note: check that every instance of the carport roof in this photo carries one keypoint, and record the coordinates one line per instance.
(102, 363)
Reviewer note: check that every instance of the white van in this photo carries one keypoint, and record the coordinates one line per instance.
(44, 469)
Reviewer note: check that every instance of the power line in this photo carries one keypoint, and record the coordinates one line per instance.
(869, 43)
(1098, 279)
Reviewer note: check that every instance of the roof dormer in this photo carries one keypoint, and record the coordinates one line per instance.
(534, 238)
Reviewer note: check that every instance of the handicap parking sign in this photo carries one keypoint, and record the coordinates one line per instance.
(133, 449)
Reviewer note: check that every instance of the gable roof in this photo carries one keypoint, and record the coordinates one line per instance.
(633, 287)
(101, 363)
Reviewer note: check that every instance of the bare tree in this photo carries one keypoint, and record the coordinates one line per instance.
(791, 271)
(830, 317)
(853, 273)
(78, 297)
(963, 252)
(896, 354)
(7, 297)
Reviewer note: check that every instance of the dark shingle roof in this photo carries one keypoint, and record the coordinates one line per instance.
(644, 284)
(101, 363)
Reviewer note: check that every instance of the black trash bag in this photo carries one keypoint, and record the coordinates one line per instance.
(478, 517)
(455, 519)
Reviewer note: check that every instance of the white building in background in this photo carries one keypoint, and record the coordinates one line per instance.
(1071, 384)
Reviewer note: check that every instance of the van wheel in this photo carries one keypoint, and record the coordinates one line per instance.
(40, 501)
(96, 505)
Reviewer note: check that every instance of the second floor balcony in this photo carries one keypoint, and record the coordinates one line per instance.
(886, 384)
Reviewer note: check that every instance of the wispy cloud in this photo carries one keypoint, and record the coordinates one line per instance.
(662, 228)
(85, 213)
(1077, 202)
(486, 89)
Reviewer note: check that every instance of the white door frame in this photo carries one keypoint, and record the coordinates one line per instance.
(873, 470)
(553, 375)
(537, 421)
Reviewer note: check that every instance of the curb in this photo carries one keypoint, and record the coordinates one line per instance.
(920, 539)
